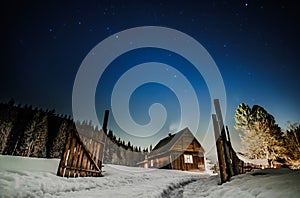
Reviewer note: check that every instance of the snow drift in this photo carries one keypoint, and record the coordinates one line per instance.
(33, 177)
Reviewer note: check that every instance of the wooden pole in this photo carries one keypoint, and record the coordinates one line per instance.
(105, 121)
(220, 151)
(233, 157)
(224, 139)
(104, 136)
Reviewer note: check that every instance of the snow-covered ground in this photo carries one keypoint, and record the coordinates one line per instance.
(31, 177)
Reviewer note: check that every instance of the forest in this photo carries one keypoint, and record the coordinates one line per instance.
(34, 132)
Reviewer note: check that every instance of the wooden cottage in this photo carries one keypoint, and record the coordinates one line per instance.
(180, 151)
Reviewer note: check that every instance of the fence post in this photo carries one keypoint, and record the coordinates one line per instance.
(220, 150)
(223, 136)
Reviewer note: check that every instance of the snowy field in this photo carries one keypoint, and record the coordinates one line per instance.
(31, 177)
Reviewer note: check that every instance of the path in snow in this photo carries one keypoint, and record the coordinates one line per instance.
(24, 177)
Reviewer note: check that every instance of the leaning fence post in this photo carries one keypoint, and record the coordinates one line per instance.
(220, 150)
(223, 136)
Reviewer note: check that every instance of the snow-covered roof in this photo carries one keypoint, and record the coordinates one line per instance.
(252, 161)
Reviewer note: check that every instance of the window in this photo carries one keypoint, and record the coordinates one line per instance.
(151, 163)
(188, 159)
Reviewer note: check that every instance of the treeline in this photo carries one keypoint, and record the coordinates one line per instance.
(34, 132)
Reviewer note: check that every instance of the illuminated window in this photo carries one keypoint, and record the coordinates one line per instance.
(188, 159)
(151, 163)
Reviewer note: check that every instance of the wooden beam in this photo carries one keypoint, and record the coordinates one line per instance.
(223, 137)
(220, 150)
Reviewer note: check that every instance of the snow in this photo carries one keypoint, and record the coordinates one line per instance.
(253, 161)
(262, 183)
(33, 177)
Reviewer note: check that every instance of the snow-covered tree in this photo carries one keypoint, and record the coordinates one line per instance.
(261, 136)
(5, 129)
(292, 145)
(59, 140)
(35, 136)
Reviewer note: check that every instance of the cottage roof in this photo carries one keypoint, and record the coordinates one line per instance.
(167, 143)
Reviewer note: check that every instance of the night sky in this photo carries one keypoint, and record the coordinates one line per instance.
(255, 45)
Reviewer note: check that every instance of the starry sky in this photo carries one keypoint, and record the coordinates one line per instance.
(255, 45)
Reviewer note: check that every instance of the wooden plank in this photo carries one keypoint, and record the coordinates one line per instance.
(93, 149)
(76, 158)
(81, 169)
(66, 172)
(84, 163)
(60, 171)
(72, 155)
(97, 150)
(97, 153)
(88, 164)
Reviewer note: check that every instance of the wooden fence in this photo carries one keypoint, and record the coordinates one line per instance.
(229, 163)
(82, 156)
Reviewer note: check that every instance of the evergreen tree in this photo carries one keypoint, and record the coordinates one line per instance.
(292, 145)
(41, 138)
(5, 129)
(59, 140)
(261, 137)
(35, 137)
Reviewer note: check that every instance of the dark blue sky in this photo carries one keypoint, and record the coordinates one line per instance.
(255, 44)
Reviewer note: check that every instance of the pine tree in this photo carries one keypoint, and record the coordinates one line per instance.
(59, 140)
(5, 129)
(292, 145)
(35, 137)
(261, 137)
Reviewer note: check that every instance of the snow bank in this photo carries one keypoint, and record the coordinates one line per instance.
(17, 163)
(262, 183)
(32, 177)
(31, 180)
